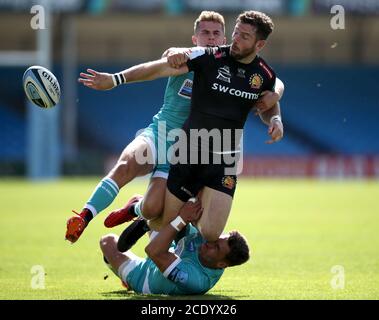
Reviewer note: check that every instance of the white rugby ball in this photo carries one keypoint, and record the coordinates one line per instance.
(41, 87)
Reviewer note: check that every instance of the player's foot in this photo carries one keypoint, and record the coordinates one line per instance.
(76, 226)
(124, 214)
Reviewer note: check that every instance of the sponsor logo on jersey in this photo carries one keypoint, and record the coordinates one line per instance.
(256, 81)
(185, 90)
(178, 275)
(191, 246)
(224, 74)
(228, 182)
(234, 92)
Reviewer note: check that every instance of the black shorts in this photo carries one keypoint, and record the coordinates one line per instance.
(186, 180)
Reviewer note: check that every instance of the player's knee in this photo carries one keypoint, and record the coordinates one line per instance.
(108, 241)
(210, 234)
(151, 209)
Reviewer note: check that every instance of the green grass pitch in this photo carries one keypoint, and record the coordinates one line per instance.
(298, 231)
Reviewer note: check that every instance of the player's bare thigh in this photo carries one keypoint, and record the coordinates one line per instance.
(153, 201)
(136, 160)
(171, 208)
(217, 206)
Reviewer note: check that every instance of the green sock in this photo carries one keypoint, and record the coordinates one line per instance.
(104, 194)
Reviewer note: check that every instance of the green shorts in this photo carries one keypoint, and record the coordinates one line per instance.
(156, 137)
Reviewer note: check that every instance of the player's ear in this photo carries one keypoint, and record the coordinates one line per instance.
(224, 42)
(260, 45)
(194, 40)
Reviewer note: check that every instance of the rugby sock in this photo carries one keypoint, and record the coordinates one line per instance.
(104, 194)
(132, 234)
(137, 208)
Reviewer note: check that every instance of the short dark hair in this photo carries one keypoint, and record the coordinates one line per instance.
(239, 249)
(262, 22)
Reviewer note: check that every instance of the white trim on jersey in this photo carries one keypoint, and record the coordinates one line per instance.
(127, 267)
(160, 174)
(171, 267)
(151, 145)
(146, 288)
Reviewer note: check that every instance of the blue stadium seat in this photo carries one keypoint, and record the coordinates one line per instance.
(13, 135)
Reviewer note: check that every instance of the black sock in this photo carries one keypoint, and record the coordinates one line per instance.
(132, 211)
(131, 234)
(87, 215)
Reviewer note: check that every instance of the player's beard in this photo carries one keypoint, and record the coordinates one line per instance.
(242, 54)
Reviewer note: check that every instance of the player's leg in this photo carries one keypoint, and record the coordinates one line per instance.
(136, 160)
(172, 206)
(182, 184)
(120, 263)
(112, 256)
(152, 204)
(217, 198)
(217, 206)
(126, 169)
(149, 206)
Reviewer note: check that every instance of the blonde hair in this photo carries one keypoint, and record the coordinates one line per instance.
(209, 16)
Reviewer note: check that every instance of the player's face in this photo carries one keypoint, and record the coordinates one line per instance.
(209, 34)
(214, 252)
(245, 41)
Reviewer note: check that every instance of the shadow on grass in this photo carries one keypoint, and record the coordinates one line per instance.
(124, 294)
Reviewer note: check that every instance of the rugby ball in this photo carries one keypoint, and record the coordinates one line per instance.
(41, 87)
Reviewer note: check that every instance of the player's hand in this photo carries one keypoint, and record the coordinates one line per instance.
(177, 57)
(276, 131)
(96, 80)
(191, 211)
(267, 100)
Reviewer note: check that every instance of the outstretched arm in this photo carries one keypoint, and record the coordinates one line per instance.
(142, 72)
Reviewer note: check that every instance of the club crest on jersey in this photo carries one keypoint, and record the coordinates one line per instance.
(224, 74)
(229, 182)
(256, 81)
(185, 90)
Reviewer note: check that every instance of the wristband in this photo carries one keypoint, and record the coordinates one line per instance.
(275, 118)
(176, 222)
(118, 79)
